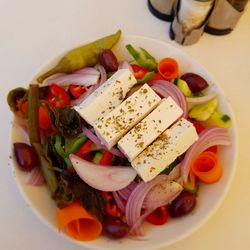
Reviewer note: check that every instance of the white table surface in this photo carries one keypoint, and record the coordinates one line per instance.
(33, 31)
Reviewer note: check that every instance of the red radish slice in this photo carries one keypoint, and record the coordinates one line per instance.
(104, 178)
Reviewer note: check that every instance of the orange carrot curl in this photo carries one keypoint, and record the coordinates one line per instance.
(78, 223)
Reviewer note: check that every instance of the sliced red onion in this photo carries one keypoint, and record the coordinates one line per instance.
(104, 178)
(119, 201)
(135, 202)
(35, 177)
(160, 195)
(202, 99)
(84, 77)
(98, 142)
(208, 137)
(21, 131)
(103, 73)
(125, 192)
(87, 71)
(125, 65)
(166, 89)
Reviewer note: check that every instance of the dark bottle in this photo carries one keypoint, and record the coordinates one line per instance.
(225, 16)
(162, 9)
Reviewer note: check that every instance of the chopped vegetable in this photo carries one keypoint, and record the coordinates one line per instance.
(106, 158)
(202, 112)
(218, 119)
(68, 122)
(106, 178)
(143, 58)
(139, 72)
(182, 85)
(111, 207)
(146, 78)
(70, 146)
(76, 90)
(207, 168)
(78, 223)
(85, 148)
(159, 216)
(81, 57)
(168, 68)
(58, 96)
(34, 135)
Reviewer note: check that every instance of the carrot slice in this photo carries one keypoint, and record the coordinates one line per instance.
(78, 223)
(207, 168)
(168, 68)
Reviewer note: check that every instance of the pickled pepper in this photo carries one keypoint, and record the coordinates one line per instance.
(84, 56)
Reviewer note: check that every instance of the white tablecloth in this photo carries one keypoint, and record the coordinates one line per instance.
(31, 32)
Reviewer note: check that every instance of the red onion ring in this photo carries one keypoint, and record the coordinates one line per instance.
(135, 202)
(84, 77)
(119, 201)
(208, 137)
(98, 142)
(35, 177)
(103, 73)
(166, 89)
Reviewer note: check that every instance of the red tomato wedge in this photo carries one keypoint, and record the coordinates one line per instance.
(158, 217)
(139, 71)
(58, 96)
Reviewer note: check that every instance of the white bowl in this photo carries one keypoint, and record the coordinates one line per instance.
(210, 196)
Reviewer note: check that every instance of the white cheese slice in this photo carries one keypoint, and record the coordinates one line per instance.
(146, 131)
(163, 151)
(119, 121)
(107, 97)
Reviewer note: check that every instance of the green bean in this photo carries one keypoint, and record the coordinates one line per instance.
(84, 56)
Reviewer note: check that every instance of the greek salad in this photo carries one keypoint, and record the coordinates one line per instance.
(118, 143)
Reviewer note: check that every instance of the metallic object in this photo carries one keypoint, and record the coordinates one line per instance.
(191, 16)
(162, 9)
(225, 16)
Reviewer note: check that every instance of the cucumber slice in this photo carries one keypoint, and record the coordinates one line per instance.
(183, 86)
(218, 119)
(98, 157)
(202, 112)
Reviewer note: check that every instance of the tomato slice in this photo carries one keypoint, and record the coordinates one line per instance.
(106, 158)
(139, 71)
(76, 90)
(58, 96)
(111, 207)
(43, 117)
(159, 216)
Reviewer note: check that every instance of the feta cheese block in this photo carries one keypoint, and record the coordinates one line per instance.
(163, 151)
(131, 111)
(146, 131)
(107, 97)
